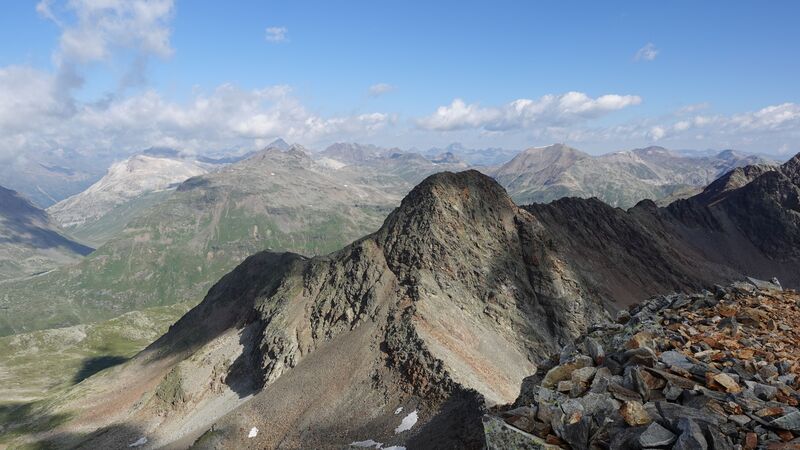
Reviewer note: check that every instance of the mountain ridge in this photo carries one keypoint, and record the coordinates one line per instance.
(543, 174)
(450, 302)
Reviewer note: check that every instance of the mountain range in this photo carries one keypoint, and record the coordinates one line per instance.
(449, 305)
(483, 157)
(411, 167)
(544, 174)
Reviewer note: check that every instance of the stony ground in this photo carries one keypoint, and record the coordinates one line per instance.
(705, 371)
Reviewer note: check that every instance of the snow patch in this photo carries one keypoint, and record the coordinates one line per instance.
(253, 432)
(398, 410)
(140, 442)
(367, 444)
(408, 422)
(331, 163)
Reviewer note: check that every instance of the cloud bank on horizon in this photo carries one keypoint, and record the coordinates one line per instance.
(48, 108)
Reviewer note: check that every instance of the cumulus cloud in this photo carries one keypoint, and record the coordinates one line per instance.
(99, 27)
(693, 108)
(568, 108)
(646, 53)
(226, 117)
(376, 90)
(276, 34)
(773, 128)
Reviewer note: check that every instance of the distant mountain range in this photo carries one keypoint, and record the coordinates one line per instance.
(406, 336)
(49, 177)
(492, 156)
(30, 242)
(411, 167)
(544, 174)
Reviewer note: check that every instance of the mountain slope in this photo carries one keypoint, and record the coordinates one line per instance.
(29, 240)
(620, 179)
(291, 323)
(749, 220)
(173, 253)
(426, 321)
(102, 210)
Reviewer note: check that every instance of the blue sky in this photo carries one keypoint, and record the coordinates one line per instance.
(209, 75)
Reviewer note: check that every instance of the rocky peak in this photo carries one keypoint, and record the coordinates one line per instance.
(445, 204)
(791, 168)
(279, 143)
(735, 179)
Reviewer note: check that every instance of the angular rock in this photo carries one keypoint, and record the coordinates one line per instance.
(623, 394)
(577, 434)
(727, 382)
(672, 358)
(750, 441)
(564, 371)
(501, 436)
(691, 437)
(595, 350)
(739, 419)
(656, 436)
(634, 413)
(790, 422)
(717, 440)
(671, 412)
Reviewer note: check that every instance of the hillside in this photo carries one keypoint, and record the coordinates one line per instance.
(450, 305)
(129, 187)
(30, 242)
(274, 200)
(621, 179)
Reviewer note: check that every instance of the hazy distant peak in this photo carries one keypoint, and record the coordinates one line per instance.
(655, 150)
(279, 143)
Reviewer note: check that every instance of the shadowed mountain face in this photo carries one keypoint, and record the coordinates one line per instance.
(29, 241)
(439, 313)
(620, 179)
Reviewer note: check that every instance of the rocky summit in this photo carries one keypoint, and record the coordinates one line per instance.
(713, 370)
(406, 336)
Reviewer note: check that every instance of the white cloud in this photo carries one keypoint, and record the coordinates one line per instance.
(646, 53)
(376, 90)
(688, 109)
(102, 26)
(568, 108)
(276, 34)
(33, 117)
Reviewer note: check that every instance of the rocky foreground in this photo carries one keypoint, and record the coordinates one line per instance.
(705, 371)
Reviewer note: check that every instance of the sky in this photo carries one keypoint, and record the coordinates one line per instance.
(119, 76)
